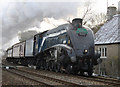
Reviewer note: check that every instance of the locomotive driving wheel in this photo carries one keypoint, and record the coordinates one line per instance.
(38, 63)
(53, 61)
(51, 65)
(61, 69)
(57, 67)
(69, 69)
(47, 66)
(90, 68)
(90, 72)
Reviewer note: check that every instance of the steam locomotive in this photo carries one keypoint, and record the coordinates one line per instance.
(68, 48)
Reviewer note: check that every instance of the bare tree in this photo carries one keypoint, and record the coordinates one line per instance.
(90, 18)
(87, 9)
(99, 18)
(87, 12)
(96, 21)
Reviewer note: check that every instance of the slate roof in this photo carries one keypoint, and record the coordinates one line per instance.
(109, 32)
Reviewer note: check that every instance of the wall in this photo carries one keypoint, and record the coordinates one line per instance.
(109, 65)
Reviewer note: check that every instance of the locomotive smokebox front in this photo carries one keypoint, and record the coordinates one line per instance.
(82, 39)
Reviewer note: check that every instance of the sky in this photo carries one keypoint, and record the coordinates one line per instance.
(101, 5)
(21, 15)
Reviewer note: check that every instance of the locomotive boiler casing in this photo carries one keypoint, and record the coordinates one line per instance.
(82, 44)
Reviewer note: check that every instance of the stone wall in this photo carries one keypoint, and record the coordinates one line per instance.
(111, 65)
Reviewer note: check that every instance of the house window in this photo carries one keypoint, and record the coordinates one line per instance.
(103, 52)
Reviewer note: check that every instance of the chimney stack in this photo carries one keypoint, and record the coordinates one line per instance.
(77, 22)
(111, 10)
(119, 7)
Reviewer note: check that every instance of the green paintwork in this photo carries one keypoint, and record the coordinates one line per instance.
(81, 31)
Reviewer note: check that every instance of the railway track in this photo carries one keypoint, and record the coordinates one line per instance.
(107, 81)
(27, 77)
(110, 81)
(41, 79)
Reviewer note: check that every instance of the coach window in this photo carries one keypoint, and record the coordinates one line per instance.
(103, 52)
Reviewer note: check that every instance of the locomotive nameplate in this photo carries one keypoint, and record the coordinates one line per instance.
(81, 31)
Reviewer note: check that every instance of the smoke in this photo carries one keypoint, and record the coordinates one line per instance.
(19, 16)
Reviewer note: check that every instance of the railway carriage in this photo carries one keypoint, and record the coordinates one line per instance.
(68, 48)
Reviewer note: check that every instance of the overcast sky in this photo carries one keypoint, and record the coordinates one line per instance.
(20, 15)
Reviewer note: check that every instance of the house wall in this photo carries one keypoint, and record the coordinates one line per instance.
(119, 60)
(111, 65)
